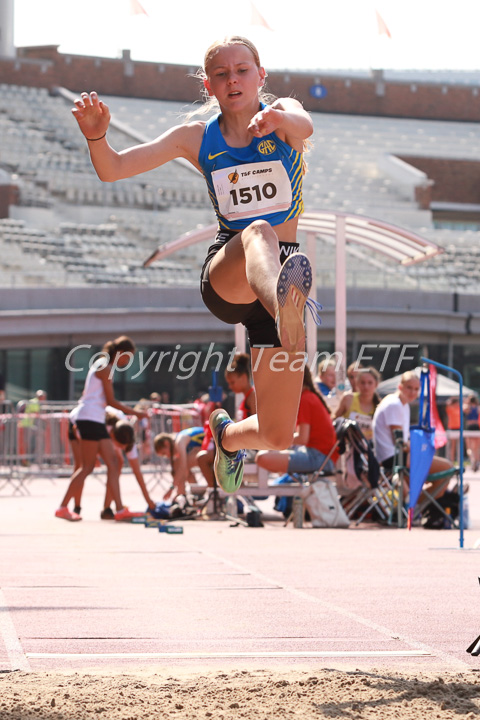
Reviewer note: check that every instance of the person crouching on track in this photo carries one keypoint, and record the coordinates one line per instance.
(122, 433)
(181, 449)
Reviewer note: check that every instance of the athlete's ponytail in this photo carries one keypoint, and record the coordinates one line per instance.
(122, 344)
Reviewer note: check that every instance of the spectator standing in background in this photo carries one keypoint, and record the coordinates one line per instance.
(453, 410)
(471, 411)
(31, 444)
(89, 418)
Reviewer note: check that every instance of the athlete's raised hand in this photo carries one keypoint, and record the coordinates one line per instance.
(92, 115)
(266, 121)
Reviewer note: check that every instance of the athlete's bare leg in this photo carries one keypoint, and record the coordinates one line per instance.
(278, 379)
(109, 457)
(247, 267)
(244, 270)
(88, 455)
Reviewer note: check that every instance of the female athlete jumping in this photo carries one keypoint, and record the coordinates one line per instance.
(251, 155)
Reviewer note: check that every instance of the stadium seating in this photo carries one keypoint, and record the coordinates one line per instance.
(71, 229)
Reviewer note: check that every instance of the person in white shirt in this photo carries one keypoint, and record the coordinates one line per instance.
(393, 413)
(88, 426)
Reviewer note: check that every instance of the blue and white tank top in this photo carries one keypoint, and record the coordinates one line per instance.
(195, 435)
(260, 181)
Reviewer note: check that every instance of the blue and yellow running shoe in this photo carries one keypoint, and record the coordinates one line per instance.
(228, 466)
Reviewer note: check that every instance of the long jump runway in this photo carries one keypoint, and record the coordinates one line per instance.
(112, 596)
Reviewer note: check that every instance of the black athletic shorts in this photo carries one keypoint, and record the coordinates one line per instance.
(259, 323)
(90, 430)
(71, 431)
(388, 463)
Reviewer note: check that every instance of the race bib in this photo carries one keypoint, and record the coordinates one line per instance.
(252, 190)
(364, 422)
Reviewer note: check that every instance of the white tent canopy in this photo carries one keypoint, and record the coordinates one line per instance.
(446, 387)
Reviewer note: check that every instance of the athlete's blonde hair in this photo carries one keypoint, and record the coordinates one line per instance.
(210, 104)
(229, 40)
(407, 376)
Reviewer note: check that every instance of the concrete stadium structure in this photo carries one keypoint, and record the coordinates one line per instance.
(72, 248)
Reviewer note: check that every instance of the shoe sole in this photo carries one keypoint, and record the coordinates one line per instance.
(294, 283)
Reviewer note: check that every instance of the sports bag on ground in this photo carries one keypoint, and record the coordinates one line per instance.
(324, 506)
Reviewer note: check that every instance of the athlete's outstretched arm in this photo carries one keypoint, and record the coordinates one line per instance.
(286, 115)
(93, 118)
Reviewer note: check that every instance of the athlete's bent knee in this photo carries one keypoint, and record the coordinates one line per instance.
(261, 458)
(278, 439)
(202, 458)
(258, 228)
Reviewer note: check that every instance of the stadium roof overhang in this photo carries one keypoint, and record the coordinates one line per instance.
(398, 244)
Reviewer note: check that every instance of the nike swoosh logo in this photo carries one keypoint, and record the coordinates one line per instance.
(212, 157)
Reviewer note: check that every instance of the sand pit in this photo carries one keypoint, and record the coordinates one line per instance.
(259, 695)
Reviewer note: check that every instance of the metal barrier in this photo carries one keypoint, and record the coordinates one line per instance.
(36, 444)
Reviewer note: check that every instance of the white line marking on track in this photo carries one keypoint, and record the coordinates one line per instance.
(387, 632)
(252, 654)
(10, 639)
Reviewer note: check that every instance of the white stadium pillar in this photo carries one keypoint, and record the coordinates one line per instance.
(7, 47)
(341, 300)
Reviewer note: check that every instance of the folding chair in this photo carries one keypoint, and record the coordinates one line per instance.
(401, 475)
(364, 486)
(432, 498)
(398, 483)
